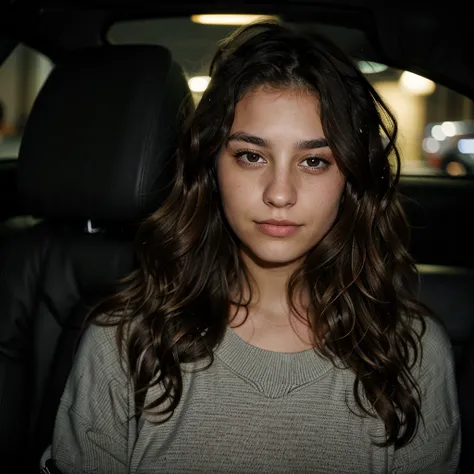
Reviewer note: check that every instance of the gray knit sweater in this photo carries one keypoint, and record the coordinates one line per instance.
(252, 411)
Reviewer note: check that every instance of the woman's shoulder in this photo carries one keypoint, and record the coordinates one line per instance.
(435, 350)
(102, 338)
(436, 332)
(435, 341)
(99, 347)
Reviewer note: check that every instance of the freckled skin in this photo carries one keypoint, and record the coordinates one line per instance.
(278, 180)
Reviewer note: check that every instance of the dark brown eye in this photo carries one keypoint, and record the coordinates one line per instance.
(313, 162)
(249, 158)
(252, 157)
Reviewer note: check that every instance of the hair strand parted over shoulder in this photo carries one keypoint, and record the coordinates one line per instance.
(363, 312)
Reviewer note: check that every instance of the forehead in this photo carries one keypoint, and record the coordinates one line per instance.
(270, 110)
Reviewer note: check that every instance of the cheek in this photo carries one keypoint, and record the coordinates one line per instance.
(234, 200)
(230, 192)
(236, 189)
(336, 205)
(328, 201)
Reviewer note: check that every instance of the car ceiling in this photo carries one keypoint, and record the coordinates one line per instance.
(434, 41)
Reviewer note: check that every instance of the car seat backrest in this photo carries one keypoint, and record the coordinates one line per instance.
(441, 244)
(466, 395)
(96, 158)
(449, 293)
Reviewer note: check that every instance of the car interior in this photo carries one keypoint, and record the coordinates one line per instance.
(94, 94)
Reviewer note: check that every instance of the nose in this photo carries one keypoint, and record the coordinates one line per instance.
(280, 190)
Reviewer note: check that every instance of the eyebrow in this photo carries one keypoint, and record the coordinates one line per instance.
(258, 141)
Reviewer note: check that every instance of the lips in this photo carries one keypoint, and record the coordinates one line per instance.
(278, 228)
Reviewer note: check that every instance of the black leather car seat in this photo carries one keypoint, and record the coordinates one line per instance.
(96, 158)
(449, 292)
(466, 397)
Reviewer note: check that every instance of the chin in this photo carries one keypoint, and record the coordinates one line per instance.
(274, 255)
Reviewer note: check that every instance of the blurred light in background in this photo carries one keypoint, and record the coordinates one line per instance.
(431, 145)
(415, 84)
(228, 19)
(466, 146)
(446, 129)
(438, 133)
(449, 129)
(198, 83)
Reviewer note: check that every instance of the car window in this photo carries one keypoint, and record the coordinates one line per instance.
(431, 117)
(22, 75)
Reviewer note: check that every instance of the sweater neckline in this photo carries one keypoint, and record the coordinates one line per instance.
(273, 373)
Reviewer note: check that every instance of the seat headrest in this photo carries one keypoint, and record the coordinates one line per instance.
(102, 133)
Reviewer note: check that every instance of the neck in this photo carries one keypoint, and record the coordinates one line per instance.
(269, 288)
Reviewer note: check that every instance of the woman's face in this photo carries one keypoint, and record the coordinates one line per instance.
(279, 183)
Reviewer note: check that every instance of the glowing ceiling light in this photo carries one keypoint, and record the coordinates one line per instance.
(237, 19)
(199, 83)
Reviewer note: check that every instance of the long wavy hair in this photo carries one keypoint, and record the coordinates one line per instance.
(174, 307)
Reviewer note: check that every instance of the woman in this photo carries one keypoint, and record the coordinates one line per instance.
(270, 325)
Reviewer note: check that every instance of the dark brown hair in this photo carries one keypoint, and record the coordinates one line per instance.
(363, 313)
